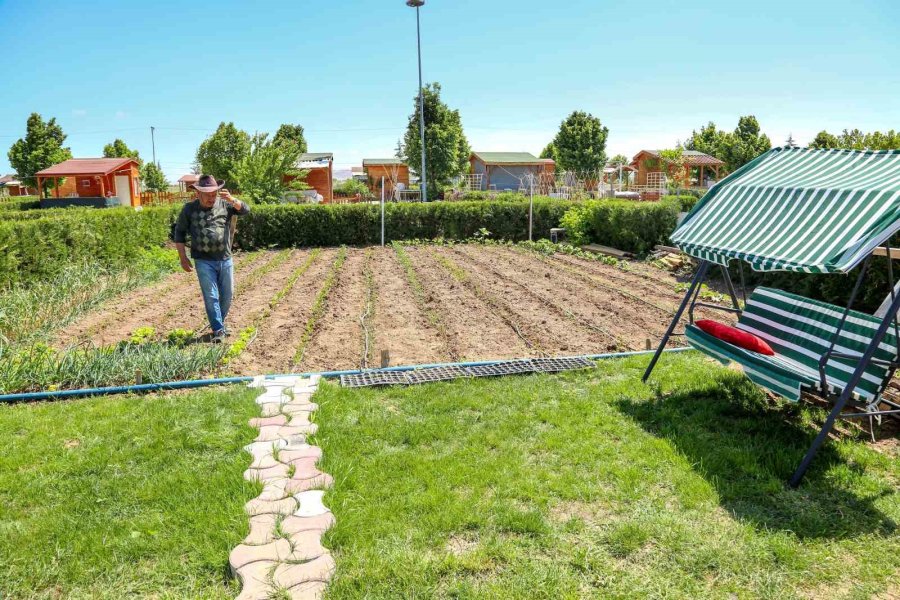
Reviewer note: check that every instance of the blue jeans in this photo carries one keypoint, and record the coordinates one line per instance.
(217, 284)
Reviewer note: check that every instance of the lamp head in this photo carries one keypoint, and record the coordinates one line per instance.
(415, 3)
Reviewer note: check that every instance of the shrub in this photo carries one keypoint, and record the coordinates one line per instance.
(686, 201)
(631, 226)
(351, 187)
(39, 248)
(19, 203)
(359, 224)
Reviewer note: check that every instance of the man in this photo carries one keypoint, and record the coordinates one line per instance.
(208, 221)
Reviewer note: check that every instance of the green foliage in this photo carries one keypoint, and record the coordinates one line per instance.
(153, 177)
(736, 148)
(631, 226)
(142, 335)
(119, 149)
(17, 204)
(686, 201)
(260, 174)
(289, 225)
(857, 140)
(180, 337)
(550, 151)
(245, 337)
(291, 136)
(110, 236)
(42, 147)
(318, 307)
(351, 187)
(446, 147)
(220, 153)
(581, 144)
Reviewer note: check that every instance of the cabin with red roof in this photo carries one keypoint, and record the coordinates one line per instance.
(92, 182)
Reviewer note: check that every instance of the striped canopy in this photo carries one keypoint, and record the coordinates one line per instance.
(798, 209)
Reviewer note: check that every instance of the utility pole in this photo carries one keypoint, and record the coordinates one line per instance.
(423, 182)
(153, 142)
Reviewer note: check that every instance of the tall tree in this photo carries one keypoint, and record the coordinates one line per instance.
(446, 147)
(41, 147)
(708, 140)
(268, 170)
(551, 152)
(219, 154)
(292, 135)
(745, 143)
(581, 144)
(824, 141)
(119, 149)
(854, 139)
(153, 178)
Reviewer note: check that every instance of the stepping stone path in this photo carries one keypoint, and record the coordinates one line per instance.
(283, 552)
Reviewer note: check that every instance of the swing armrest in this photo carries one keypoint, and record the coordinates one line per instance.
(893, 364)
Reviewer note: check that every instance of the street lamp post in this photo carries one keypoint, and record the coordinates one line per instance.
(423, 183)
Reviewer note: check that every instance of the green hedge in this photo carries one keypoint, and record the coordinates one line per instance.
(686, 201)
(285, 225)
(38, 248)
(624, 224)
(19, 203)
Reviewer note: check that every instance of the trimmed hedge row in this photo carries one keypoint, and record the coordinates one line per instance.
(285, 225)
(624, 224)
(19, 203)
(39, 248)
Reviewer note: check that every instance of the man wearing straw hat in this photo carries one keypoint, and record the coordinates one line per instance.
(208, 222)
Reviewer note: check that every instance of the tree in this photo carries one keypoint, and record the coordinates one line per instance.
(824, 141)
(674, 165)
(708, 140)
(581, 144)
(291, 134)
(153, 177)
(446, 147)
(41, 147)
(262, 173)
(552, 153)
(745, 144)
(219, 154)
(119, 149)
(855, 139)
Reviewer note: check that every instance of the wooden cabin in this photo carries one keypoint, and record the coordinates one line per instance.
(394, 171)
(321, 172)
(92, 182)
(700, 170)
(11, 186)
(186, 181)
(512, 171)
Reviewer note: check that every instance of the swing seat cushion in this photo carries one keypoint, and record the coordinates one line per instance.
(800, 331)
(733, 335)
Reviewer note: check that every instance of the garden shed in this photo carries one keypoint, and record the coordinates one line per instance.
(394, 171)
(11, 186)
(320, 178)
(508, 170)
(92, 182)
(186, 181)
(700, 169)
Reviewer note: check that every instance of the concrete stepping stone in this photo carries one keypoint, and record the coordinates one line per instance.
(294, 575)
(283, 552)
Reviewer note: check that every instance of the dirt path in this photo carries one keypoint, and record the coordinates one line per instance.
(278, 335)
(472, 329)
(142, 307)
(547, 325)
(400, 325)
(337, 341)
(630, 321)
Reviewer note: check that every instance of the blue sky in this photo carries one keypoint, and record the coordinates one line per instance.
(346, 70)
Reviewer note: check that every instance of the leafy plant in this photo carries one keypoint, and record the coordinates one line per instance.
(245, 337)
(142, 335)
(180, 337)
(446, 147)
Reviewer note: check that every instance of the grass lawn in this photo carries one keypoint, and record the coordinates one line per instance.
(126, 496)
(591, 484)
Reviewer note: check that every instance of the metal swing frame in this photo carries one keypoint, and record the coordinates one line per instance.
(840, 400)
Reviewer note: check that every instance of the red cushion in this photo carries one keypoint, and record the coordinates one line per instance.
(741, 339)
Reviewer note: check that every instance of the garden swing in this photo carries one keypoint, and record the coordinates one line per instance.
(805, 211)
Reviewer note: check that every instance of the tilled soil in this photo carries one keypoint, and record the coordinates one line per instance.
(400, 326)
(476, 303)
(154, 306)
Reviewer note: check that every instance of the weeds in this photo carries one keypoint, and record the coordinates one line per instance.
(318, 307)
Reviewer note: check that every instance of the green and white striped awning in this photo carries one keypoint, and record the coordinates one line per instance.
(798, 209)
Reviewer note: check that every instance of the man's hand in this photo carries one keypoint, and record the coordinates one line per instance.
(186, 264)
(231, 200)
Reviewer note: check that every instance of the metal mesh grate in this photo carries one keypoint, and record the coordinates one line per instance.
(510, 367)
(554, 365)
(374, 378)
(436, 374)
